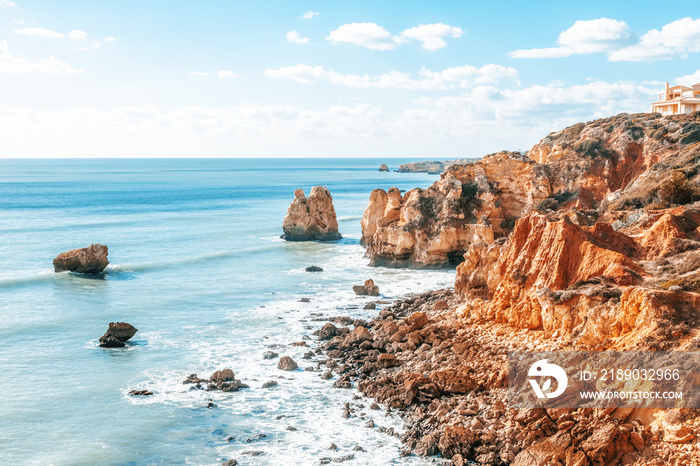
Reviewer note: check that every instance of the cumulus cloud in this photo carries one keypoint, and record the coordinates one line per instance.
(375, 37)
(34, 31)
(370, 35)
(310, 14)
(7, 3)
(431, 35)
(470, 124)
(604, 35)
(77, 35)
(450, 78)
(226, 74)
(10, 64)
(584, 37)
(675, 39)
(688, 80)
(293, 36)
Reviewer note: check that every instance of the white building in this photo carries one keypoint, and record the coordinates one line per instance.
(678, 99)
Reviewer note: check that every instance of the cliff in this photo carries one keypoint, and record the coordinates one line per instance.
(311, 218)
(608, 165)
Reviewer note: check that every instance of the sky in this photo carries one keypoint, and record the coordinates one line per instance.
(224, 78)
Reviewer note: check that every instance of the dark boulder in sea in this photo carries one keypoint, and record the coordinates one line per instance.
(312, 218)
(92, 260)
(383, 168)
(140, 393)
(314, 268)
(287, 364)
(117, 334)
(229, 463)
(224, 375)
(368, 289)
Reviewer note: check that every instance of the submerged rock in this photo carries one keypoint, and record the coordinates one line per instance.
(92, 260)
(311, 218)
(287, 364)
(117, 334)
(368, 289)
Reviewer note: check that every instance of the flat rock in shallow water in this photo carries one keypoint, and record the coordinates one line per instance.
(92, 260)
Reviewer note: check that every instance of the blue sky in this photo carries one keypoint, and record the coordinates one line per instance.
(127, 78)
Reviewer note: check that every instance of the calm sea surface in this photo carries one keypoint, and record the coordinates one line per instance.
(198, 267)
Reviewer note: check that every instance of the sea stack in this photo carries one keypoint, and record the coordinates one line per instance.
(92, 259)
(383, 168)
(117, 334)
(312, 218)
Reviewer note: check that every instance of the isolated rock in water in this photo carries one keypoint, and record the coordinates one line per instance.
(287, 364)
(311, 218)
(314, 268)
(140, 393)
(92, 259)
(224, 375)
(368, 289)
(383, 168)
(229, 463)
(117, 334)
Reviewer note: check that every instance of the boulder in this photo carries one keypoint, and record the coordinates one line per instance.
(368, 289)
(224, 375)
(287, 364)
(383, 168)
(117, 334)
(311, 218)
(314, 268)
(92, 260)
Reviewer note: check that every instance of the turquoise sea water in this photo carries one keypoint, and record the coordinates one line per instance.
(198, 267)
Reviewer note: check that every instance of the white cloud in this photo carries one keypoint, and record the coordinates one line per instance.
(467, 125)
(293, 36)
(375, 37)
(10, 64)
(431, 35)
(688, 80)
(549, 52)
(110, 39)
(198, 73)
(369, 35)
(226, 74)
(584, 37)
(450, 78)
(674, 40)
(34, 31)
(310, 14)
(7, 3)
(77, 35)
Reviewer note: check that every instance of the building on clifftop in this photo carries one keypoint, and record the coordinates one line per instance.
(678, 99)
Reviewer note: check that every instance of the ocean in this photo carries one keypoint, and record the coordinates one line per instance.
(197, 265)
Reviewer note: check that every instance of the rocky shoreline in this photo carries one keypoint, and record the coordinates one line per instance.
(447, 378)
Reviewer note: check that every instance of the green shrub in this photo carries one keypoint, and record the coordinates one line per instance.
(677, 190)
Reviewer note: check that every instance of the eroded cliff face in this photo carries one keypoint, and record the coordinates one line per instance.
(613, 164)
(311, 218)
(593, 286)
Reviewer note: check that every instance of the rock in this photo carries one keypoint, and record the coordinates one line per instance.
(311, 219)
(368, 289)
(140, 393)
(91, 260)
(117, 334)
(224, 375)
(333, 447)
(270, 355)
(383, 168)
(269, 384)
(327, 332)
(370, 305)
(229, 463)
(440, 305)
(358, 335)
(287, 364)
(327, 375)
(314, 268)
(304, 300)
(192, 378)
